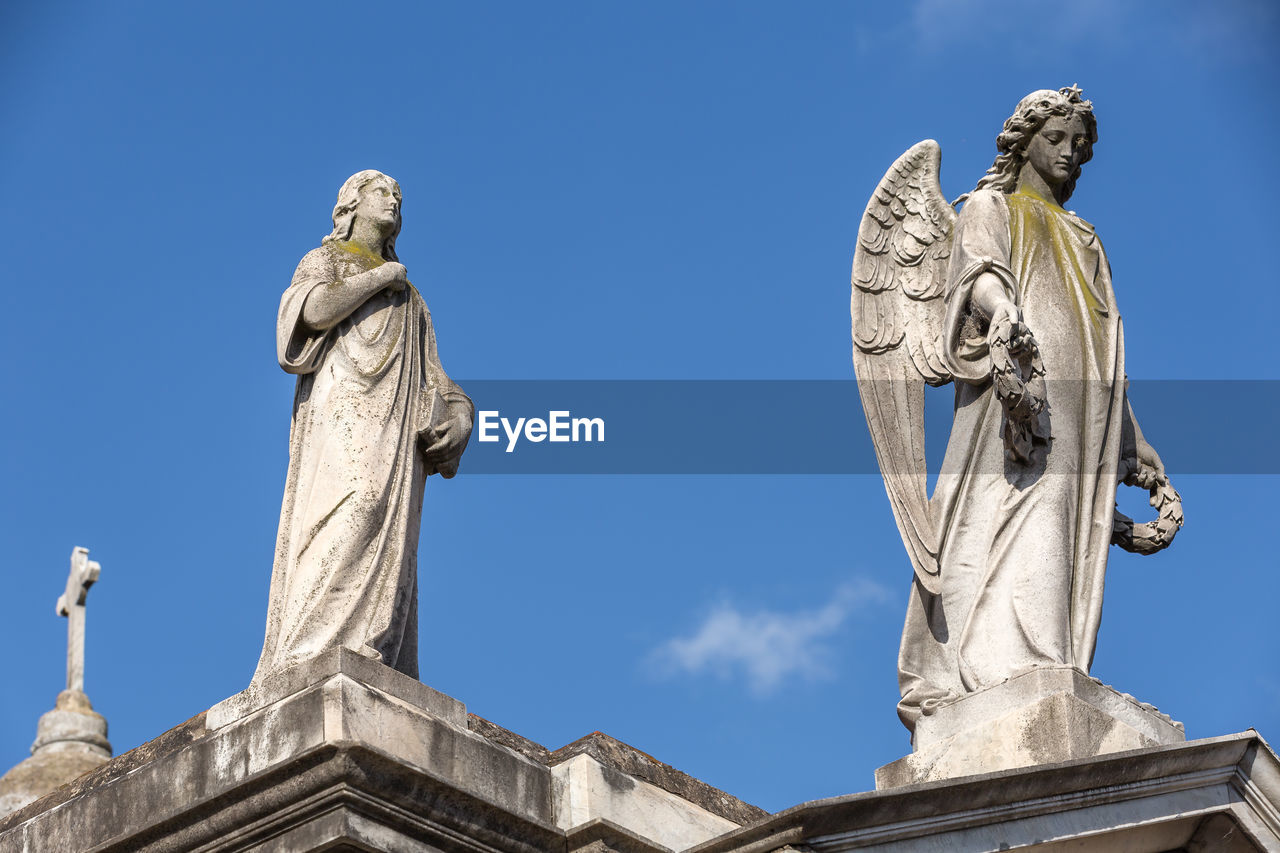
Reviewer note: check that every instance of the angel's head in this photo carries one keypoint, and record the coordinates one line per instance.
(374, 197)
(1058, 110)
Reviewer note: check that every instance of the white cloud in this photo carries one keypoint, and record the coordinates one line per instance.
(766, 647)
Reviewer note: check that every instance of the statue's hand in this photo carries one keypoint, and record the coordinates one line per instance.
(446, 438)
(1145, 469)
(1149, 471)
(1007, 323)
(395, 276)
(1017, 374)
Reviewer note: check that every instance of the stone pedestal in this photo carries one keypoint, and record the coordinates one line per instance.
(1217, 795)
(1043, 716)
(345, 754)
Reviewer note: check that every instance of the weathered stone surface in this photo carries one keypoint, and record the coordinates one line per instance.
(330, 752)
(603, 836)
(509, 739)
(279, 685)
(586, 789)
(986, 706)
(1043, 716)
(1164, 798)
(70, 741)
(345, 753)
(601, 782)
(612, 754)
(72, 725)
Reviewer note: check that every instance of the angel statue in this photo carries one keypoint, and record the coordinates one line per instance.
(1012, 301)
(374, 415)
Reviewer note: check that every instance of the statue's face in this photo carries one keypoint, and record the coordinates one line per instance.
(379, 203)
(1056, 150)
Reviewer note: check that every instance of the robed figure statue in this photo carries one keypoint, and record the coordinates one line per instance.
(374, 415)
(1012, 301)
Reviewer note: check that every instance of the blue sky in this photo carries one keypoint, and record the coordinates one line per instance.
(598, 191)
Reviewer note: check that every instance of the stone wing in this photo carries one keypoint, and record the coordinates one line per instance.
(899, 271)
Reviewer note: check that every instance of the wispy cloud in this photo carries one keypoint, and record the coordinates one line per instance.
(766, 647)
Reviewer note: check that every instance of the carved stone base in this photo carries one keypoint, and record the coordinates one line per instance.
(1043, 716)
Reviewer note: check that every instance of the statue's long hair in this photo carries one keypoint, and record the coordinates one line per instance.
(1032, 112)
(344, 211)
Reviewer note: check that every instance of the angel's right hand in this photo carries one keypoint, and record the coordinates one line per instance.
(1007, 325)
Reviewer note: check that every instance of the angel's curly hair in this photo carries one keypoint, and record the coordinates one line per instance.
(1019, 129)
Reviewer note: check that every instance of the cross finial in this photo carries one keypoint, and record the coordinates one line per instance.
(84, 572)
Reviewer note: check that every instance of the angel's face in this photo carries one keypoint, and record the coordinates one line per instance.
(380, 203)
(1055, 151)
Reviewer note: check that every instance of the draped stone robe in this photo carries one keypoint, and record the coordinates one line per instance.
(1023, 547)
(345, 570)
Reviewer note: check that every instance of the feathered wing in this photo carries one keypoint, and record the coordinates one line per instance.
(899, 271)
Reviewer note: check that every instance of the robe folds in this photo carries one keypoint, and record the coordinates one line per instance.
(1023, 547)
(369, 391)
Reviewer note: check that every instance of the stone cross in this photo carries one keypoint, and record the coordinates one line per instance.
(71, 604)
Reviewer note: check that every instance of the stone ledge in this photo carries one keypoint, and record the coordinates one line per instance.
(624, 758)
(604, 836)
(295, 800)
(627, 759)
(360, 757)
(171, 741)
(1143, 801)
(529, 749)
(600, 781)
(199, 785)
(586, 790)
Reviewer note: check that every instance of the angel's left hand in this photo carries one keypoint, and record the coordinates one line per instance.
(446, 439)
(1150, 470)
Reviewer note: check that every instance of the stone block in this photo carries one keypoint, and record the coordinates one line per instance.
(1043, 716)
(587, 790)
(383, 678)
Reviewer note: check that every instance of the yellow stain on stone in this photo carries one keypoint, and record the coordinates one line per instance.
(357, 249)
(361, 252)
(1061, 242)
